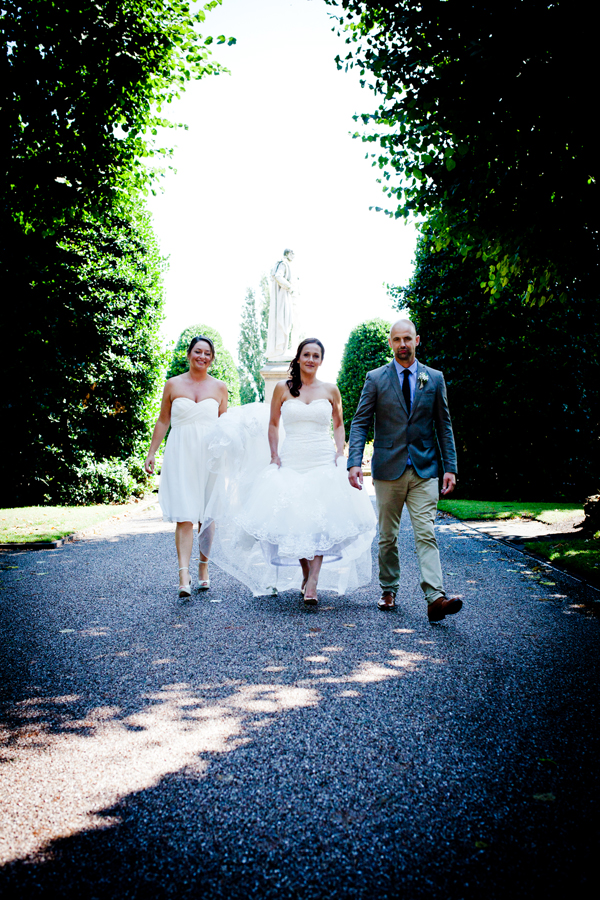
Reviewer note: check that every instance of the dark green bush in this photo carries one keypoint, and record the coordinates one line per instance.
(82, 355)
(522, 381)
(367, 348)
(102, 481)
(222, 368)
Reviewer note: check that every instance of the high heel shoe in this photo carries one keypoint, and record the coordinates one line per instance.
(303, 585)
(203, 583)
(310, 601)
(185, 590)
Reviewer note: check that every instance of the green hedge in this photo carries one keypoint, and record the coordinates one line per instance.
(367, 348)
(522, 381)
(83, 357)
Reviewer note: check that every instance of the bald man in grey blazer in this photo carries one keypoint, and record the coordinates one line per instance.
(407, 400)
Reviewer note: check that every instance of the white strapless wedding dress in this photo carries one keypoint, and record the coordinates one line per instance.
(186, 480)
(267, 518)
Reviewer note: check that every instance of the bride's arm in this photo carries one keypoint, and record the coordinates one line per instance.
(276, 402)
(339, 432)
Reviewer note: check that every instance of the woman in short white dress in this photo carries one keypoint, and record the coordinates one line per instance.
(191, 405)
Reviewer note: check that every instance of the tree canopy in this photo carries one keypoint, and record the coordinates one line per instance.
(83, 88)
(84, 361)
(252, 344)
(523, 390)
(484, 114)
(82, 91)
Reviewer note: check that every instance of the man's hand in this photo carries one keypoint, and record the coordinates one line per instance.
(355, 477)
(449, 483)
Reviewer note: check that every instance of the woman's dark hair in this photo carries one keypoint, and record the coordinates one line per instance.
(294, 382)
(201, 337)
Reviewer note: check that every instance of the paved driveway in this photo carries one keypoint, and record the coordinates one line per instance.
(252, 748)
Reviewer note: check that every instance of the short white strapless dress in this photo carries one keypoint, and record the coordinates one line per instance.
(186, 480)
(268, 518)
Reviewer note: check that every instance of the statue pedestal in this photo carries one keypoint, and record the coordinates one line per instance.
(272, 373)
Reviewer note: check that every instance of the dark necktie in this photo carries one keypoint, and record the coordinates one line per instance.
(406, 389)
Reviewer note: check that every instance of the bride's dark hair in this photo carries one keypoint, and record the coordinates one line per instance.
(294, 382)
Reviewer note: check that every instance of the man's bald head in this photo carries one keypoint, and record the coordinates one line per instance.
(402, 324)
(404, 341)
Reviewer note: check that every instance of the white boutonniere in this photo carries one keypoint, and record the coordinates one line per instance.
(422, 379)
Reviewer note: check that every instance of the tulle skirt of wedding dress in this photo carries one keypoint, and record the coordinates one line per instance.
(262, 519)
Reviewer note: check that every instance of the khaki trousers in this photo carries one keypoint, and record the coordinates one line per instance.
(421, 498)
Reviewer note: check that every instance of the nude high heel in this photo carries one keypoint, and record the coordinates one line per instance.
(185, 590)
(203, 583)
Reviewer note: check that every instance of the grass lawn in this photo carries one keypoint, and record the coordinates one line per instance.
(549, 513)
(31, 524)
(579, 557)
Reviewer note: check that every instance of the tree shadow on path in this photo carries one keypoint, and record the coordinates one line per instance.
(251, 748)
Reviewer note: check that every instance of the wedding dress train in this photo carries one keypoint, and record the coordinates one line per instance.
(262, 518)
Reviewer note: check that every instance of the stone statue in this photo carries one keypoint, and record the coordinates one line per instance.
(279, 335)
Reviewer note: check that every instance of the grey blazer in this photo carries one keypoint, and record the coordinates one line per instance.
(396, 432)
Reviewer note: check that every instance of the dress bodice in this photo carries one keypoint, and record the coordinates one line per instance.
(185, 411)
(308, 440)
(301, 418)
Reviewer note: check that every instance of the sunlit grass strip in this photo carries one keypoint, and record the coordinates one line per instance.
(550, 513)
(34, 524)
(579, 557)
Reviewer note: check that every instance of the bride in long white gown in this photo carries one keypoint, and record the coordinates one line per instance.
(276, 525)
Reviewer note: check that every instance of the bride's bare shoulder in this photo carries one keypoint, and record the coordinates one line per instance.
(281, 392)
(333, 391)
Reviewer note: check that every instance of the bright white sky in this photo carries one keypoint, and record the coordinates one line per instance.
(268, 163)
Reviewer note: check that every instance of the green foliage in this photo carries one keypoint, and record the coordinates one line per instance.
(264, 310)
(84, 86)
(251, 351)
(582, 557)
(247, 388)
(84, 360)
(82, 90)
(94, 480)
(222, 368)
(523, 390)
(367, 348)
(484, 115)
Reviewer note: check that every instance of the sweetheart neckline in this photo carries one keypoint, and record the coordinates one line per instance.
(195, 402)
(306, 404)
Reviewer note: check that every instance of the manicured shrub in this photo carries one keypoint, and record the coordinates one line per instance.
(367, 348)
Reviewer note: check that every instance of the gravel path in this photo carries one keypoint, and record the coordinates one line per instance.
(252, 748)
